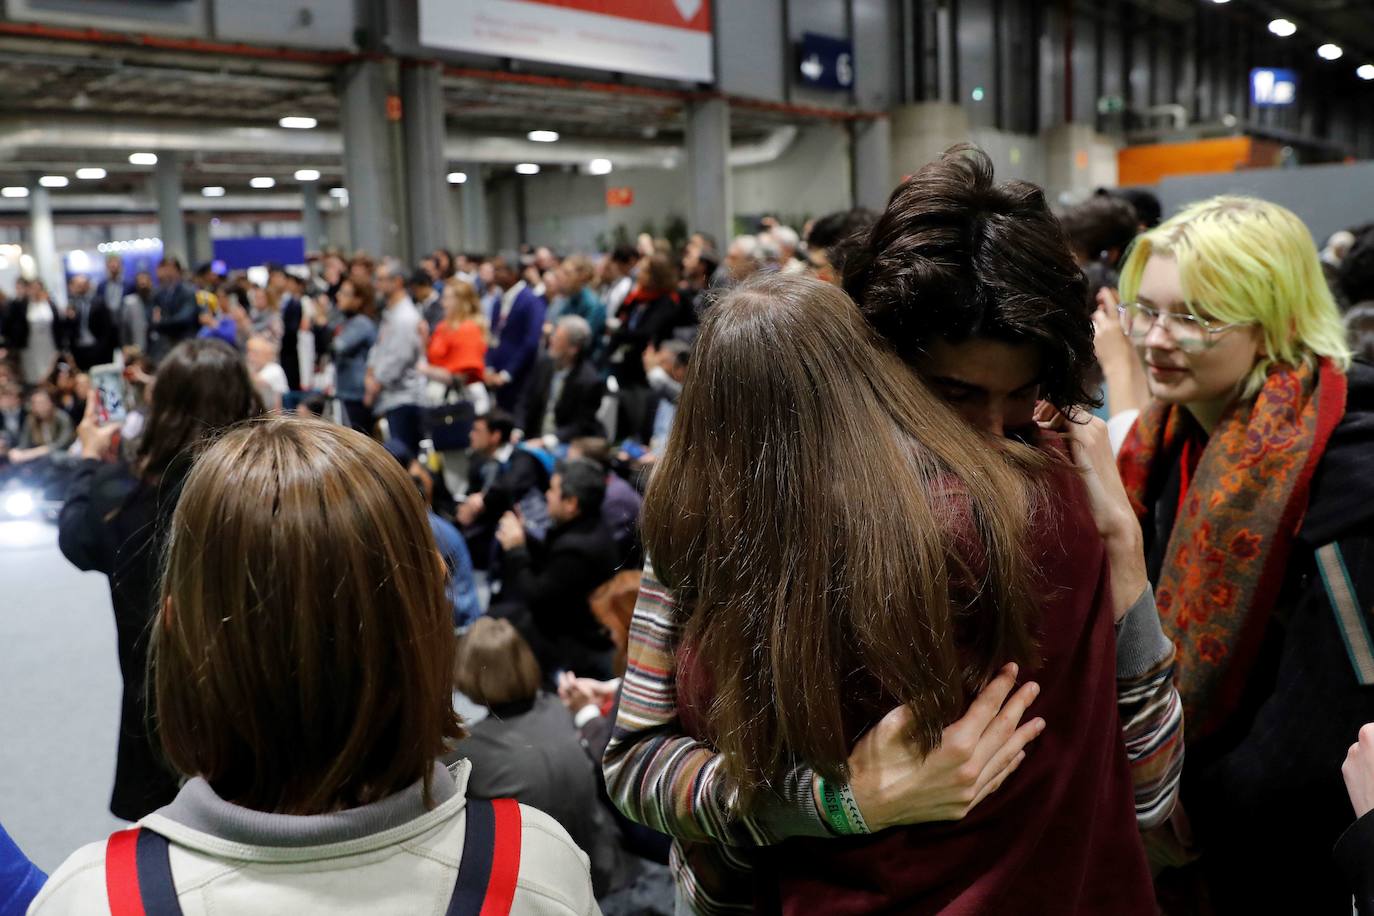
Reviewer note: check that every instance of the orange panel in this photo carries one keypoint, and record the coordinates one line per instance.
(1147, 164)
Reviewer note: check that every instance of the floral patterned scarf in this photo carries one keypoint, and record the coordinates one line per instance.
(1247, 488)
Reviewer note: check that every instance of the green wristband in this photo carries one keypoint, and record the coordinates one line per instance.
(833, 806)
(851, 810)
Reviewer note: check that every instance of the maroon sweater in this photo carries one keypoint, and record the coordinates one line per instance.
(1060, 836)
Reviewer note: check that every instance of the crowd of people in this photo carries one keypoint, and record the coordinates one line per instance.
(961, 558)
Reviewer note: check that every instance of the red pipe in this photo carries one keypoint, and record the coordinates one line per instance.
(563, 82)
(196, 45)
(679, 95)
(335, 58)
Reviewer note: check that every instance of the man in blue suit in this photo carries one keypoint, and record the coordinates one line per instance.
(517, 322)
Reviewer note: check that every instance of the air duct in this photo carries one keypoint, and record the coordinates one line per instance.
(18, 135)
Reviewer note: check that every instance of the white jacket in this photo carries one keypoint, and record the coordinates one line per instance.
(391, 857)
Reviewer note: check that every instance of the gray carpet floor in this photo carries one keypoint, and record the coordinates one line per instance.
(59, 697)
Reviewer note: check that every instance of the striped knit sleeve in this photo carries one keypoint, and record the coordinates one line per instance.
(659, 777)
(1150, 711)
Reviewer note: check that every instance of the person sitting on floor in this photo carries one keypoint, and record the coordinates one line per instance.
(544, 588)
(462, 583)
(503, 476)
(620, 509)
(528, 748)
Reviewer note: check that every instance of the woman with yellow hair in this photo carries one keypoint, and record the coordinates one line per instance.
(1249, 471)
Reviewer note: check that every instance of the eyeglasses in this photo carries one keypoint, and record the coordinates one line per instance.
(1189, 332)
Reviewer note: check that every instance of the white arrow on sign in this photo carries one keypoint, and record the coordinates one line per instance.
(812, 68)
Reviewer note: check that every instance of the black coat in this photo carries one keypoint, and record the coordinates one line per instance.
(1264, 793)
(502, 487)
(289, 355)
(101, 323)
(115, 524)
(555, 581)
(16, 326)
(575, 413)
(647, 322)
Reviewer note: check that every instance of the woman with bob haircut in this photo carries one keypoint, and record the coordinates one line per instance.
(528, 748)
(818, 593)
(1250, 473)
(302, 662)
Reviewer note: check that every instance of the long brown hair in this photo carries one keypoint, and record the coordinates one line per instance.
(821, 515)
(303, 656)
(201, 389)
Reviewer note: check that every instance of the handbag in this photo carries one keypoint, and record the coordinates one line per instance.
(449, 425)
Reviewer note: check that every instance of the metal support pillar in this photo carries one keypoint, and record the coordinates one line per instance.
(312, 223)
(369, 165)
(708, 166)
(44, 237)
(171, 221)
(422, 101)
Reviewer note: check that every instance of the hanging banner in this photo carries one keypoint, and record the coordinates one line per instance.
(663, 38)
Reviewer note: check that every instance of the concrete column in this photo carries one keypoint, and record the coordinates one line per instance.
(476, 226)
(312, 223)
(710, 205)
(370, 172)
(201, 241)
(871, 161)
(422, 100)
(167, 191)
(922, 132)
(44, 236)
(1079, 161)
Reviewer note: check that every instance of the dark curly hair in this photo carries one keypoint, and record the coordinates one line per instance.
(955, 256)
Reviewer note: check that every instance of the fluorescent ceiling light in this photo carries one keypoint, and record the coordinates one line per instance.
(527, 168)
(263, 183)
(143, 158)
(457, 177)
(90, 174)
(338, 192)
(307, 175)
(1365, 72)
(212, 191)
(14, 192)
(1330, 52)
(543, 136)
(599, 167)
(298, 123)
(54, 181)
(1283, 28)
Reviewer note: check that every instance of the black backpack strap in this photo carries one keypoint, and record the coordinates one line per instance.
(474, 873)
(155, 875)
(138, 874)
(490, 867)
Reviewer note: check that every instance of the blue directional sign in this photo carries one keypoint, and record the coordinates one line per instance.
(1273, 87)
(825, 63)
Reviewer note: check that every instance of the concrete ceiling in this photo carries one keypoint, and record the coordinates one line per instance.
(104, 91)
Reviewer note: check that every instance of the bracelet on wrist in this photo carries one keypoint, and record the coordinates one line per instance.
(834, 809)
(851, 809)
